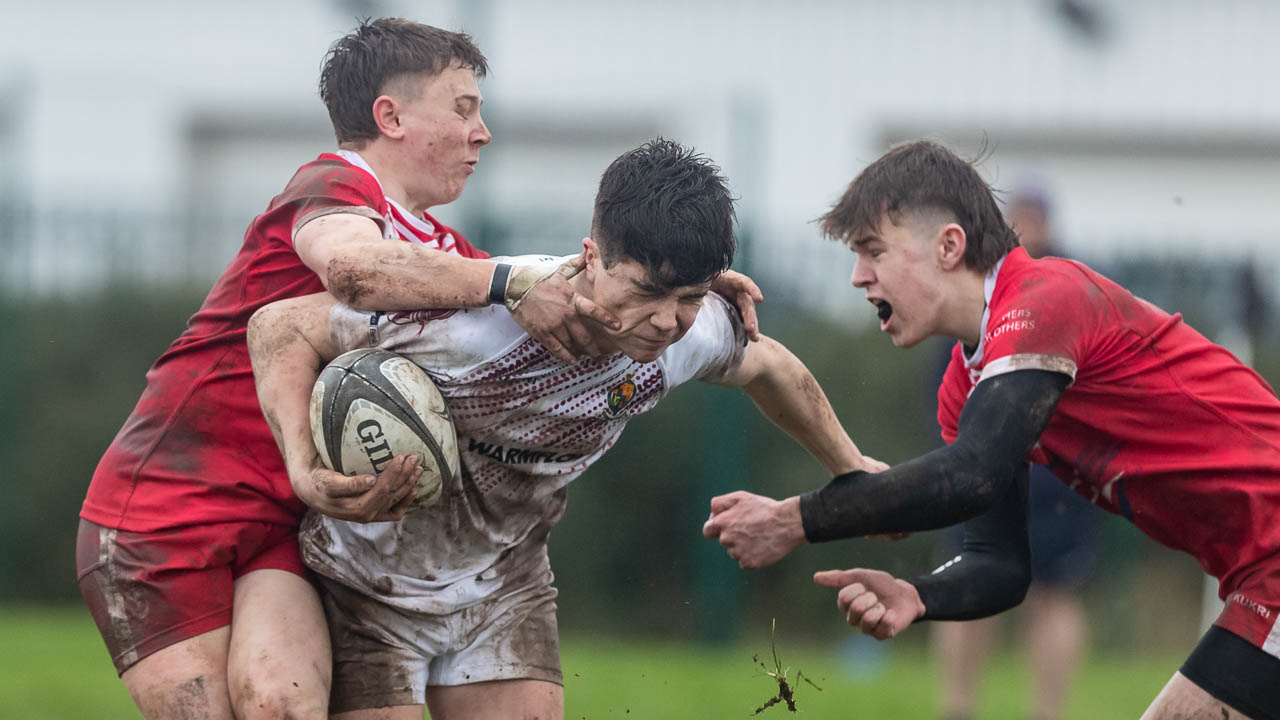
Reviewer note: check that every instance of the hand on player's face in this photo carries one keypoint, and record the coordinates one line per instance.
(875, 602)
(554, 314)
(651, 317)
(363, 498)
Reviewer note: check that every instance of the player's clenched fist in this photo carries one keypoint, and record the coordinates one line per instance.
(875, 602)
(755, 530)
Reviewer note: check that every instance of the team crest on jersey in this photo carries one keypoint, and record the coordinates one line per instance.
(619, 398)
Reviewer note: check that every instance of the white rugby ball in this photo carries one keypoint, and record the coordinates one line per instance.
(371, 405)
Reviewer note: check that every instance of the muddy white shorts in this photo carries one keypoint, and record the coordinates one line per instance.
(385, 656)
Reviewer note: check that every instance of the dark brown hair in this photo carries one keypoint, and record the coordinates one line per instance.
(668, 209)
(360, 66)
(923, 176)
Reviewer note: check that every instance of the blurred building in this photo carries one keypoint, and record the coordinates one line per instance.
(137, 138)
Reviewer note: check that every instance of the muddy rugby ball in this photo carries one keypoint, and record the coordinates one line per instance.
(371, 405)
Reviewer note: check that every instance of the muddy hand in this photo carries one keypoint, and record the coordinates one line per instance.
(543, 302)
(365, 498)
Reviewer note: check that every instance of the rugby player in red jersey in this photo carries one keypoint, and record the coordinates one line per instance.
(1128, 405)
(187, 550)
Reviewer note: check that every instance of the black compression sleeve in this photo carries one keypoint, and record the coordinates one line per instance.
(1000, 424)
(993, 570)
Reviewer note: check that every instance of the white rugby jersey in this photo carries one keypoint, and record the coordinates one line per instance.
(527, 425)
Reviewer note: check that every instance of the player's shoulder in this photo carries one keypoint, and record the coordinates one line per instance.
(321, 175)
(1048, 280)
(718, 320)
(714, 346)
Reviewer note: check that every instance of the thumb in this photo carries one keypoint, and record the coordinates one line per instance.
(711, 529)
(724, 502)
(837, 578)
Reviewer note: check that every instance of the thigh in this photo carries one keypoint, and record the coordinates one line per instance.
(380, 654)
(187, 679)
(498, 700)
(148, 591)
(279, 662)
(512, 637)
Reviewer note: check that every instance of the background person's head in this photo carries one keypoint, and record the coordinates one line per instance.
(925, 225)
(411, 87)
(1029, 212)
(662, 230)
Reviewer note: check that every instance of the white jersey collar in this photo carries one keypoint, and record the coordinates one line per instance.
(416, 222)
(988, 289)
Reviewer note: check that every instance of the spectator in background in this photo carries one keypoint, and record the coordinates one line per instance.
(1064, 538)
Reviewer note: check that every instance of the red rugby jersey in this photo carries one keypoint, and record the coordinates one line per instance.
(196, 448)
(1159, 425)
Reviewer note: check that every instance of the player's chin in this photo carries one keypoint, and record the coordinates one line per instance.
(645, 351)
(902, 339)
(645, 356)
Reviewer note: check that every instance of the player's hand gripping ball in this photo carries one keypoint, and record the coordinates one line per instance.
(371, 405)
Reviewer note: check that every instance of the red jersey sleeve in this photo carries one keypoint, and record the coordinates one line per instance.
(330, 185)
(1040, 321)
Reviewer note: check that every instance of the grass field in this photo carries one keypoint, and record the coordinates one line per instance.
(53, 665)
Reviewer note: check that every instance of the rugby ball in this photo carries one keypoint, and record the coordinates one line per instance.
(371, 405)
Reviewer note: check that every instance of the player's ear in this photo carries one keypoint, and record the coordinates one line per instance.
(591, 254)
(386, 115)
(950, 246)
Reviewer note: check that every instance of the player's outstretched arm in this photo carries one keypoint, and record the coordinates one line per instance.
(990, 574)
(1001, 422)
(364, 270)
(289, 342)
(756, 530)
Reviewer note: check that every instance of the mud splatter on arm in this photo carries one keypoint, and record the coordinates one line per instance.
(786, 392)
(289, 342)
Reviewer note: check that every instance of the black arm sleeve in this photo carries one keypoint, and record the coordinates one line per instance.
(993, 570)
(999, 425)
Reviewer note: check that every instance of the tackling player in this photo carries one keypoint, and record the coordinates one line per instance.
(187, 549)
(1127, 404)
(453, 606)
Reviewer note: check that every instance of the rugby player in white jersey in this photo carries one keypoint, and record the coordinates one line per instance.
(452, 606)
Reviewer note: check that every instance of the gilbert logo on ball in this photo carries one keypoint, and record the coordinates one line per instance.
(369, 406)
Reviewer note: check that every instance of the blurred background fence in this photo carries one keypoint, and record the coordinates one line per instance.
(134, 154)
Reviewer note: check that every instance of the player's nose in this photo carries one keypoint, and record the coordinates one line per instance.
(862, 275)
(481, 136)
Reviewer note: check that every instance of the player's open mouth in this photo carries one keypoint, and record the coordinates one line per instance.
(883, 311)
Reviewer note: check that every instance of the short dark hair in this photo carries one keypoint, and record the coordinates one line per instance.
(359, 67)
(667, 208)
(923, 176)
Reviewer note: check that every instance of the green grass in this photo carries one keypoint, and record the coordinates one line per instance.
(53, 665)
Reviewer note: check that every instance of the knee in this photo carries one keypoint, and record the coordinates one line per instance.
(276, 698)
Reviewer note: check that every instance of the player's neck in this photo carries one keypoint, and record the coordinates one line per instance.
(963, 309)
(384, 161)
